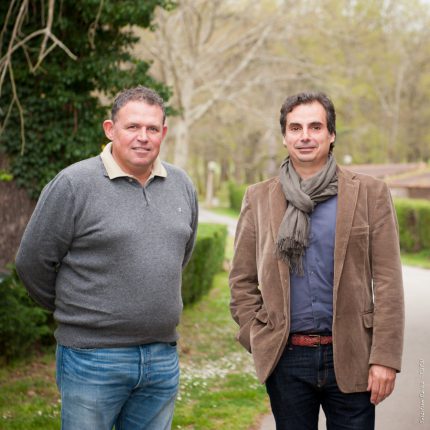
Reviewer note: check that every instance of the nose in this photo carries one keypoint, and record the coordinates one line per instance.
(305, 134)
(143, 134)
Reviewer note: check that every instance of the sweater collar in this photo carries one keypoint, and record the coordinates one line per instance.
(113, 170)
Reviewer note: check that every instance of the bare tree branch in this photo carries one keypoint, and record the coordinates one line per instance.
(93, 27)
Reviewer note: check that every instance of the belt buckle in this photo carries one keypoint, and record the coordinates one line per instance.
(316, 345)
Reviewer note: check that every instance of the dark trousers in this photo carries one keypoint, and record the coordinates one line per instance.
(302, 381)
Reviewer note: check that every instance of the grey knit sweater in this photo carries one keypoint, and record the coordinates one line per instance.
(107, 255)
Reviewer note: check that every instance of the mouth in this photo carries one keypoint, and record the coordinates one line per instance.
(141, 149)
(305, 148)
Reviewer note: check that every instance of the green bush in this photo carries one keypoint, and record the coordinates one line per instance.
(236, 193)
(206, 261)
(414, 224)
(22, 322)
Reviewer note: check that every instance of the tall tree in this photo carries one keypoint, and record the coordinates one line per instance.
(209, 52)
(57, 58)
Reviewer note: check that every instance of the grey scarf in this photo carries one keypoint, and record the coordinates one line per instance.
(302, 196)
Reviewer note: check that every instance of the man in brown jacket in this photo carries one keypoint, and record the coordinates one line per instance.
(316, 281)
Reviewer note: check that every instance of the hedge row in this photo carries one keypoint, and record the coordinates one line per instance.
(235, 194)
(206, 261)
(23, 323)
(413, 216)
(414, 224)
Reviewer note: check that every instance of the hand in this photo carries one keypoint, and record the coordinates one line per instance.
(380, 383)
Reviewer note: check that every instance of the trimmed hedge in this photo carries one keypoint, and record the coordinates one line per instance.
(413, 216)
(414, 224)
(235, 194)
(206, 261)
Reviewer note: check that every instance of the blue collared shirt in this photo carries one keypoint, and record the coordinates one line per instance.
(312, 294)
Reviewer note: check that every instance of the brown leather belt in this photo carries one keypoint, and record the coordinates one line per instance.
(309, 340)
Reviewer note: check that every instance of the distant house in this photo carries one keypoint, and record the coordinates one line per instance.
(411, 180)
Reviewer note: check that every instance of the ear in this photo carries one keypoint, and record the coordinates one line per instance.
(332, 138)
(284, 143)
(164, 131)
(108, 128)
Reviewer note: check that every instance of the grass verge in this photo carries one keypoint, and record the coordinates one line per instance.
(221, 210)
(418, 259)
(218, 388)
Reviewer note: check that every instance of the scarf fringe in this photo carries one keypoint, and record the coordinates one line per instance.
(291, 252)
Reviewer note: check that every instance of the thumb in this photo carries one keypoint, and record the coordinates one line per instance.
(369, 382)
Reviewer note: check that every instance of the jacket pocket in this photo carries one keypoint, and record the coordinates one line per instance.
(262, 315)
(362, 230)
(368, 319)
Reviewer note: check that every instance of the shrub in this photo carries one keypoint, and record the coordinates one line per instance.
(236, 193)
(22, 322)
(414, 224)
(206, 261)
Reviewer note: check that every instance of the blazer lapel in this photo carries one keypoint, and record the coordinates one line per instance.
(346, 202)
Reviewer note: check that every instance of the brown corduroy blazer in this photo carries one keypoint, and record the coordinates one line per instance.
(368, 306)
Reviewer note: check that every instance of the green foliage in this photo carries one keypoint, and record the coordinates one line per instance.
(206, 261)
(5, 176)
(62, 110)
(22, 322)
(417, 259)
(236, 193)
(414, 224)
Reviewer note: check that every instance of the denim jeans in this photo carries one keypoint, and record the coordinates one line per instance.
(132, 388)
(303, 380)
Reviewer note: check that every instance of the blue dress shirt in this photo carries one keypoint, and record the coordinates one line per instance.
(312, 294)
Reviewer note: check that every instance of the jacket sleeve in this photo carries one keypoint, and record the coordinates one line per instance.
(46, 241)
(246, 298)
(388, 317)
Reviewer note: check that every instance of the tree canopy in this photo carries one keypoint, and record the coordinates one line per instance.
(58, 60)
(231, 65)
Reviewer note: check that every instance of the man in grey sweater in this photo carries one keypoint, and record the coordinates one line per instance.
(104, 250)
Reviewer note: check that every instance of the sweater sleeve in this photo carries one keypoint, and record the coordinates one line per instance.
(46, 241)
(194, 222)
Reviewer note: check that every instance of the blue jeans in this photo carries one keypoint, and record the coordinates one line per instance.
(303, 380)
(132, 388)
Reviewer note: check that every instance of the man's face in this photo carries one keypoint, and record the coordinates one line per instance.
(136, 136)
(307, 137)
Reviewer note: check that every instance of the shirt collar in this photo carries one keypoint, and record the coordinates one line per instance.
(114, 170)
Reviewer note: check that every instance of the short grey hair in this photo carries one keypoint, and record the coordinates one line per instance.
(139, 93)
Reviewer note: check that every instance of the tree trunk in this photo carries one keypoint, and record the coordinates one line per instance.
(181, 143)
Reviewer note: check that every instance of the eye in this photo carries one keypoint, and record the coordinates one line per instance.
(132, 127)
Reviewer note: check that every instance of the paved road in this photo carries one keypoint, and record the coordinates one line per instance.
(208, 216)
(409, 406)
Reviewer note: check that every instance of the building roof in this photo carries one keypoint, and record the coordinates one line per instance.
(386, 170)
(402, 175)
